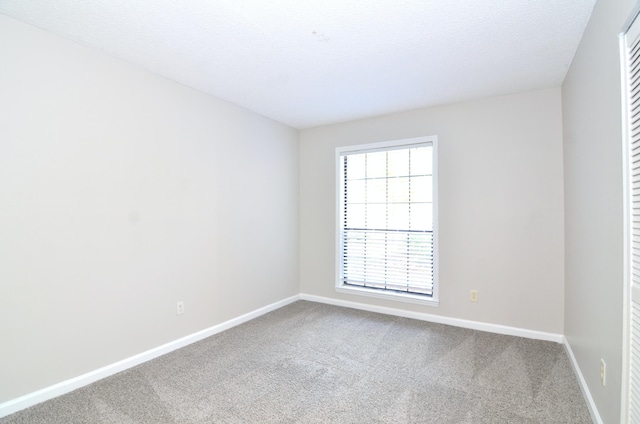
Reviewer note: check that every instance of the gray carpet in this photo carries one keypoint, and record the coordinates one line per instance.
(314, 363)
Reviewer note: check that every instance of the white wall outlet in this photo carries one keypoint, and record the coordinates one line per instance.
(180, 308)
(603, 372)
(473, 295)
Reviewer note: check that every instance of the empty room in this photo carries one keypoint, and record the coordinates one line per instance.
(408, 211)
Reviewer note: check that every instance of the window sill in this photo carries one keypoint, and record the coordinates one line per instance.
(399, 297)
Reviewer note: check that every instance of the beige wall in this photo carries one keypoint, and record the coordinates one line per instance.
(593, 205)
(120, 194)
(501, 206)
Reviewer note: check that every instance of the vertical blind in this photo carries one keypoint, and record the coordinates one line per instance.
(387, 219)
(632, 60)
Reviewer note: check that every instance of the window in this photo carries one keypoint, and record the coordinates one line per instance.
(387, 232)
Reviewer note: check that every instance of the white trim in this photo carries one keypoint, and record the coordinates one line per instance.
(626, 295)
(457, 322)
(431, 140)
(67, 386)
(388, 295)
(386, 145)
(435, 172)
(593, 409)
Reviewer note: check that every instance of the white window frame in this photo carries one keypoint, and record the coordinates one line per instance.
(378, 293)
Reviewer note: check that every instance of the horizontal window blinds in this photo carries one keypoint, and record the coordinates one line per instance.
(387, 219)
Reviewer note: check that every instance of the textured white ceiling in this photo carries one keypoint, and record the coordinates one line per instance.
(313, 62)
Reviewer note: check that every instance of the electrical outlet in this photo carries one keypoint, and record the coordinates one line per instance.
(180, 308)
(473, 295)
(603, 372)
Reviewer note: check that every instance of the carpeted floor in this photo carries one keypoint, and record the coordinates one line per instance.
(314, 363)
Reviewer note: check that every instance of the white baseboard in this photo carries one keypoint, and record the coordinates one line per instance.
(67, 386)
(595, 415)
(457, 322)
